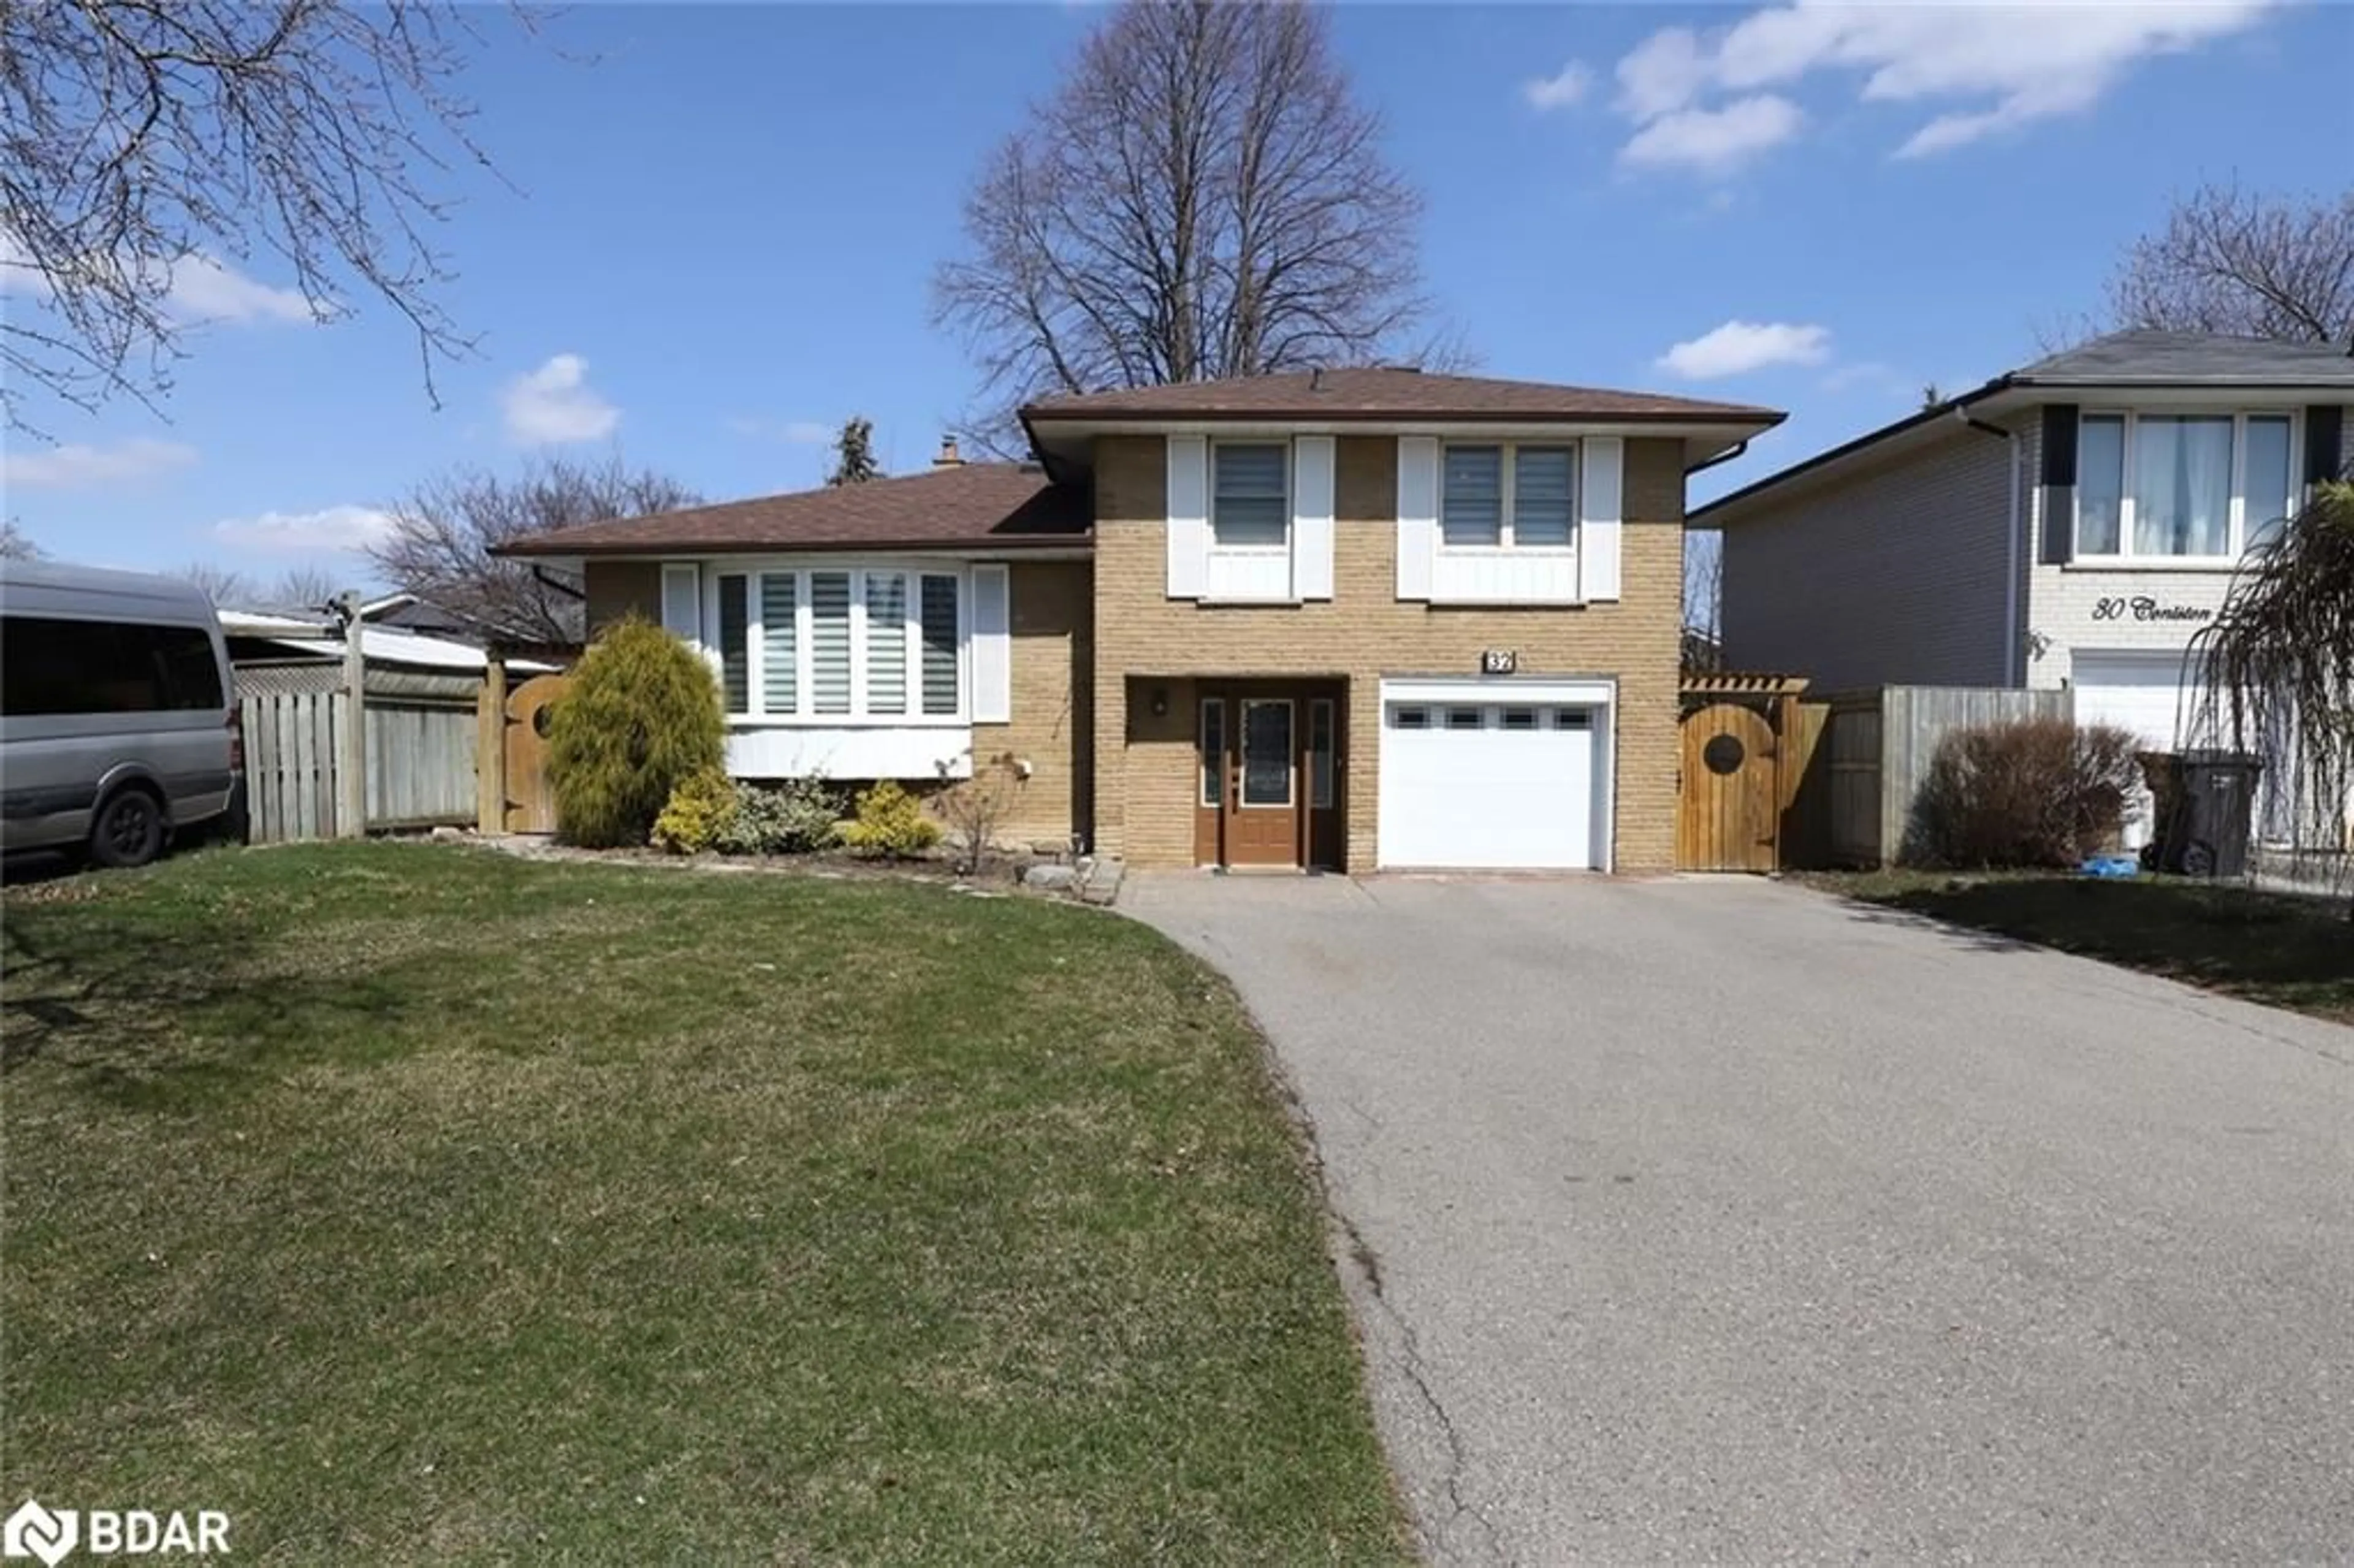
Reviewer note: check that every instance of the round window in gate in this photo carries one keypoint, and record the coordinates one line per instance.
(1724, 754)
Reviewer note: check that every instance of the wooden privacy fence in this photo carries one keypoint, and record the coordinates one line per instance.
(1851, 800)
(420, 733)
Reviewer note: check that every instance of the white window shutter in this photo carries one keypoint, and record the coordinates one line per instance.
(1600, 499)
(682, 601)
(992, 647)
(1311, 517)
(1418, 513)
(1189, 516)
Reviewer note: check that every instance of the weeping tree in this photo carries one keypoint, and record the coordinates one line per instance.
(2278, 663)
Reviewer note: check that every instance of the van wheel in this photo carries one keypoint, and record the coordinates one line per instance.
(129, 830)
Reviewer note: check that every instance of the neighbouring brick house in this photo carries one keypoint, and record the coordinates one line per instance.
(1345, 620)
(2071, 524)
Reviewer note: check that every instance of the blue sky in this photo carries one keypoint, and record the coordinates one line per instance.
(724, 221)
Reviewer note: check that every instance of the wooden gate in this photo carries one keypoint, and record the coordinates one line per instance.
(530, 803)
(1746, 743)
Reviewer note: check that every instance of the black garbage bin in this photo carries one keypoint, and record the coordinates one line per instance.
(2205, 812)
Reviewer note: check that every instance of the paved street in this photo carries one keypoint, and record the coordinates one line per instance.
(1697, 1219)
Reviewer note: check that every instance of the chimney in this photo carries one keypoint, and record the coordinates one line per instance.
(947, 458)
(1316, 379)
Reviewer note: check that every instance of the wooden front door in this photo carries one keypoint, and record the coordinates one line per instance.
(1268, 775)
(1730, 818)
(1263, 784)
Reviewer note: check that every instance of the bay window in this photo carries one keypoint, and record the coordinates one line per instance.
(1508, 497)
(2181, 486)
(840, 643)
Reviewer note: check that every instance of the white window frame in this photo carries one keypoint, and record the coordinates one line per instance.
(804, 712)
(2236, 515)
(1291, 492)
(1506, 545)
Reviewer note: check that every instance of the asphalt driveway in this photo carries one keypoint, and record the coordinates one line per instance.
(1719, 1220)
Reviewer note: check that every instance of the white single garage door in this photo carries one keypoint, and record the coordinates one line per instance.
(1476, 780)
(2141, 691)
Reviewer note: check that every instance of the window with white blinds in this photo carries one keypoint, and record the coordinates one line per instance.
(797, 630)
(735, 655)
(830, 642)
(780, 676)
(886, 642)
(940, 632)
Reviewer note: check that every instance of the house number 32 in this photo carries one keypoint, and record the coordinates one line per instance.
(1498, 660)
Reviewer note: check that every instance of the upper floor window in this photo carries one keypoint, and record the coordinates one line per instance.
(840, 643)
(1250, 494)
(2182, 486)
(1507, 497)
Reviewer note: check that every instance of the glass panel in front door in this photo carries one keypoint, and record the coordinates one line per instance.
(1266, 752)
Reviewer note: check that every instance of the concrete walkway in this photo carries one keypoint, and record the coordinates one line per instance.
(1722, 1221)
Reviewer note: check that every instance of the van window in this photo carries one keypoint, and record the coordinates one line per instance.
(50, 665)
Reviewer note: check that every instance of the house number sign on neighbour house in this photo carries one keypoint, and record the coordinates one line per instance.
(2141, 607)
(1498, 660)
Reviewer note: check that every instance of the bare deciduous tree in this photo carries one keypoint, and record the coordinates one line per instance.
(16, 545)
(148, 144)
(1201, 198)
(439, 544)
(307, 587)
(2235, 261)
(1703, 597)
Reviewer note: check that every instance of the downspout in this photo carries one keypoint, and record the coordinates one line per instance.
(2012, 675)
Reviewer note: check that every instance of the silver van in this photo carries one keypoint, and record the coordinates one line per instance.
(118, 713)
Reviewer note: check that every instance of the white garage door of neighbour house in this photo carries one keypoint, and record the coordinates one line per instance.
(2142, 691)
(1479, 779)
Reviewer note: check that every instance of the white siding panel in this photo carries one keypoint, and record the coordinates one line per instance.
(1600, 503)
(1311, 516)
(992, 647)
(1418, 513)
(1188, 531)
(879, 751)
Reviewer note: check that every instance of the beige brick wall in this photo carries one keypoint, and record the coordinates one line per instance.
(1144, 776)
(1051, 699)
(1051, 610)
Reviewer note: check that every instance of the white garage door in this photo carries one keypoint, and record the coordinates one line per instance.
(1473, 782)
(2140, 692)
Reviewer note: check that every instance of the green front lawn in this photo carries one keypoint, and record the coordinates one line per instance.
(2277, 948)
(413, 1202)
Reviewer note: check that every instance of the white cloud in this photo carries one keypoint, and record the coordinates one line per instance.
(556, 403)
(1714, 141)
(1561, 89)
(329, 528)
(205, 289)
(1738, 348)
(82, 467)
(2000, 66)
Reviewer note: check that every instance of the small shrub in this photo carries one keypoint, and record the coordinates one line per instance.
(2033, 792)
(890, 822)
(641, 715)
(792, 817)
(701, 811)
(975, 809)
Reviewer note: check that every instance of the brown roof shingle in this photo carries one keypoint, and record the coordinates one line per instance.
(975, 505)
(1381, 394)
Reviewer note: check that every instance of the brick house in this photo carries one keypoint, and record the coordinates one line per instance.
(2071, 524)
(1344, 619)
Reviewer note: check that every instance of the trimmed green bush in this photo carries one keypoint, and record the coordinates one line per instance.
(791, 818)
(890, 822)
(2033, 792)
(701, 809)
(641, 717)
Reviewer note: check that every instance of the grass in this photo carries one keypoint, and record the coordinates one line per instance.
(414, 1202)
(2280, 950)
